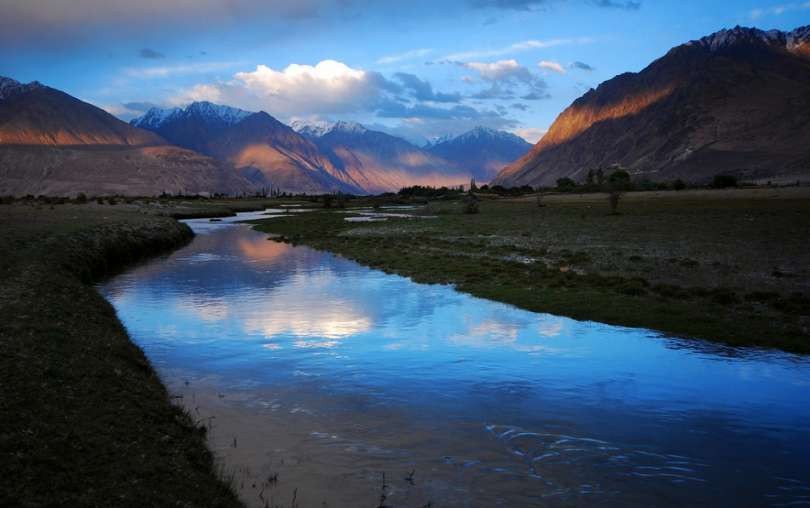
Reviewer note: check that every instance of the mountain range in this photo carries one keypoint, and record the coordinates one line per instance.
(482, 151)
(54, 144)
(379, 162)
(735, 102)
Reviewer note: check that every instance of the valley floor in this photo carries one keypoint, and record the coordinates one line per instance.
(731, 266)
(86, 421)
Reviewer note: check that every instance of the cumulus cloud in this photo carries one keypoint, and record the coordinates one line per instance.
(150, 54)
(332, 88)
(504, 76)
(325, 88)
(552, 66)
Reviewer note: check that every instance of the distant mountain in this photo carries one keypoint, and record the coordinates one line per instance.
(737, 101)
(271, 153)
(481, 151)
(379, 162)
(52, 143)
(192, 127)
(264, 150)
(34, 114)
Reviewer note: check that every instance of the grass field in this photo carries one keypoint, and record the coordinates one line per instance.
(85, 420)
(730, 266)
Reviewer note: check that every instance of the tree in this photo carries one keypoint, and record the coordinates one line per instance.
(619, 179)
(591, 175)
(618, 182)
(473, 187)
(600, 176)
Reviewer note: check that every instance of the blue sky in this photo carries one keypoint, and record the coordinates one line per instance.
(417, 68)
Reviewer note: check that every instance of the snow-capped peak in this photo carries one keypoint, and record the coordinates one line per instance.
(348, 127)
(11, 87)
(227, 114)
(475, 135)
(740, 35)
(156, 117)
(313, 129)
(320, 128)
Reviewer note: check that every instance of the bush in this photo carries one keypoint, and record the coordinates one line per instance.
(566, 185)
(678, 184)
(724, 181)
(81, 198)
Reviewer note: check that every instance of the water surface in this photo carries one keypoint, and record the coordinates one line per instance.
(328, 374)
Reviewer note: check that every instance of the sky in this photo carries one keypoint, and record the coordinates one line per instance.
(418, 69)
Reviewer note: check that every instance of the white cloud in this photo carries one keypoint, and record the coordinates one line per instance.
(408, 55)
(325, 88)
(551, 66)
(496, 71)
(518, 47)
(776, 10)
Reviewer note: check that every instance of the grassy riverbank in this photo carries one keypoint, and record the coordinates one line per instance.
(86, 421)
(730, 266)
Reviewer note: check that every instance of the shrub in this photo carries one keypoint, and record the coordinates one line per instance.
(470, 204)
(81, 198)
(724, 181)
(679, 184)
(566, 185)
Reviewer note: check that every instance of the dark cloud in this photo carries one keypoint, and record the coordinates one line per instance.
(629, 5)
(496, 91)
(422, 90)
(518, 5)
(520, 106)
(536, 96)
(581, 66)
(533, 5)
(393, 109)
(139, 106)
(150, 54)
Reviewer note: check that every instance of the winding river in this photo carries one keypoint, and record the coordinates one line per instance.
(326, 383)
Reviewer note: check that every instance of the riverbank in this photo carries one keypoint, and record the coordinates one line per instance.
(86, 421)
(728, 266)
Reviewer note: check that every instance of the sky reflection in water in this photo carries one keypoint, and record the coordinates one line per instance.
(621, 410)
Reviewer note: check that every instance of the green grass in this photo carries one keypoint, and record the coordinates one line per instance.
(693, 264)
(85, 419)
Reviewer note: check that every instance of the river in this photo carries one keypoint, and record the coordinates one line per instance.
(326, 383)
